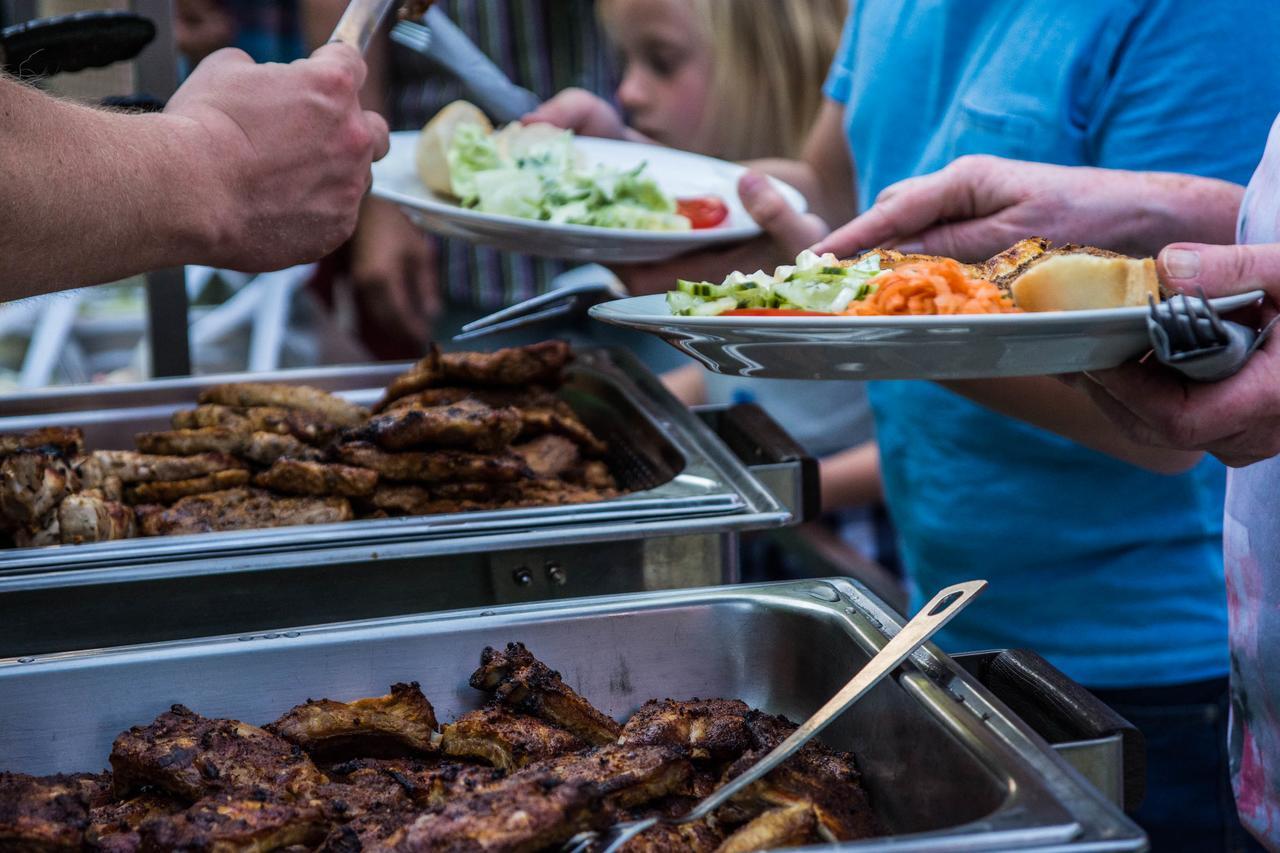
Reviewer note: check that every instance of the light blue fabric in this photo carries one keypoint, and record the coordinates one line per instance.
(1113, 573)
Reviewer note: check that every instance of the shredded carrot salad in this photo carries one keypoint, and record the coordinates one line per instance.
(932, 287)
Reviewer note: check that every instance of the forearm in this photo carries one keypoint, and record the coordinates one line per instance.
(1167, 208)
(1048, 404)
(852, 477)
(91, 196)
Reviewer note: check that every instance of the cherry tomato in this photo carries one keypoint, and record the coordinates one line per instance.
(706, 211)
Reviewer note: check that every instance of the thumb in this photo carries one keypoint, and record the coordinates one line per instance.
(1221, 270)
(792, 230)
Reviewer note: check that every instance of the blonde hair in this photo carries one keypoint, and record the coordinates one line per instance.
(769, 60)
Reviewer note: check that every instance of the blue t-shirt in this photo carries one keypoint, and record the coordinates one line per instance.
(1113, 573)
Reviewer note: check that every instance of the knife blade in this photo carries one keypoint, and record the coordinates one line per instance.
(486, 84)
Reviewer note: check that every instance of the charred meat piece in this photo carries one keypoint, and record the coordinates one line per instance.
(505, 740)
(518, 679)
(552, 493)
(132, 467)
(42, 814)
(467, 424)
(231, 822)
(247, 394)
(539, 364)
(496, 397)
(296, 477)
(400, 723)
(185, 442)
(265, 448)
(340, 802)
(190, 756)
(239, 509)
(428, 782)
(549, 455)
(305, 426)
(593, 475)
(710, 728)
(521, 814)
(168, 491)
(626, 776)
(90, 518)
(401, 499)
(367, 832)
(435, 466)
(559, 419)
(32, 484)
(685, 838)
(65, 441)
(113, 827)
(787, 826)
(1015, 258)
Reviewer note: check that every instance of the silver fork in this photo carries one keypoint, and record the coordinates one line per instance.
(1188, 335)
(937, 613)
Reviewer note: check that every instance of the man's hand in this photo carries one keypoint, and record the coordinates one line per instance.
(980, 205)
(279, 155)
(1238, 419)
(585, 114)
(393, 269)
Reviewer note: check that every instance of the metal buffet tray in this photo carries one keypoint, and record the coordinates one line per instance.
(947, 765)
(678, 529)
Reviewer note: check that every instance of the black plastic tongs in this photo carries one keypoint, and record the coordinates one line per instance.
(94, 39)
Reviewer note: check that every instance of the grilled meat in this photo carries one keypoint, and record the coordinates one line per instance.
(90, 518)
(263, 447)
(593, 475)
(467, 424)
(496, 398)
(307, 399)
(266, 448)
(190, 756)
(400, 723)
(686, 838)
(787, 826)
(522, 814)
(296, 477)
(710, 728)
(231, 822)
(428, 782)
(132, 467)
(553, 492)
(435, 466)
(505, 740)
(549, 455)
(626, 776)
(65, 441)
(168, 491)
(310, 427)
(1014, 258)
(539, 364)
(367, 832)
(42, 814)
(239, 509)
(518, 679)
(559, 419)
(402, 499)
(113, 827)
(32, 484)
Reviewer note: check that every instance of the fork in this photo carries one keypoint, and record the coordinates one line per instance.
(1188, 335)
(932, 617)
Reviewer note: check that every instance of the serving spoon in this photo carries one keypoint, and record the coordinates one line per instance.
(932, 617)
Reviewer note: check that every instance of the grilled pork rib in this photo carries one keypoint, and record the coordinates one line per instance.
(296, 477)
(467, 424)
(400, 723)
(307, 399)
(42, 814)
(505, 740)
(239, 509)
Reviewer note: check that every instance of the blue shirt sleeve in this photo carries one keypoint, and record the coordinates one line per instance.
(840, 78)
(1162, 102)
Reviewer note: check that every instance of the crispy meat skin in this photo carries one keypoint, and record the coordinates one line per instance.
(428, 782)
(626, 776)
(42, 814)
(1015, 258)
(133, 467)
(686, 838)
(225, 823)
(549, 455)
(401, 499)
(399, 723)
(539, 364)
(786, 826)
(239, 509)
(518, 679)
(505, 740)
(32, 484)
(297, 477)
(191, 756)
(247, 394)
(435, 466)
(168, 491)
(67, 441)
(710, 728)
(307, 426)
(113, 827)
(467, 424)
(90, 518)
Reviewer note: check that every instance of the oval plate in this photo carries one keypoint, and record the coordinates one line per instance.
(972, 346)
(680, 174)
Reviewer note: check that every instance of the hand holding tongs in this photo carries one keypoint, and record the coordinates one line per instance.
(938, 612)
(571, 294)
(1188, 335)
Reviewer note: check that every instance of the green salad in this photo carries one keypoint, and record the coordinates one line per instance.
(813, 283)
(532, 172)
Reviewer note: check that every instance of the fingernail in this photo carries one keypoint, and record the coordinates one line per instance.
(751, 182)
(1182, 263)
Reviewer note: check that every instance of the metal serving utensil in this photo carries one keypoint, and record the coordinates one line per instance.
(360, 21)
(932, 617)
(1188, 335)
(572, 293)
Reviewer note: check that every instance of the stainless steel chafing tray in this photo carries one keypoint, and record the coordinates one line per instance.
(691, 494)
(947, 765)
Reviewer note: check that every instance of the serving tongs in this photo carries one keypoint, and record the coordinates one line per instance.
(931, 618)
(572, 293)
(1188, 335)
(360, 21)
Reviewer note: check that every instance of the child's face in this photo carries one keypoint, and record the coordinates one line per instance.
(668, 70)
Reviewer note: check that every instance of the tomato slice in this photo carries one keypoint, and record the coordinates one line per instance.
(706, 211)
(773, 312)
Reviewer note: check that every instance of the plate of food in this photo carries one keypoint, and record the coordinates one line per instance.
(1031, 310)
(540, 190)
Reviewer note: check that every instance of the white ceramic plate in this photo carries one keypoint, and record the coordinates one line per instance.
(975, 346)
(679, 173)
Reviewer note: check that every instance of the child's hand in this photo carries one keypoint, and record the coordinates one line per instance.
(583, 113)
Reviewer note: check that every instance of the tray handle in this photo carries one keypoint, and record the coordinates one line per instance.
(1060, 710)
(767, 449)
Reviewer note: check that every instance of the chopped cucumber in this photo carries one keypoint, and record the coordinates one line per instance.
(681, 303)
(714, 307)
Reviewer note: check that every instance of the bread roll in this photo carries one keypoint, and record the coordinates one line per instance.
(434, 141)
(1083, 279)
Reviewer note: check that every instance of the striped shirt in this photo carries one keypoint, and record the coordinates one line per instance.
(544, 46)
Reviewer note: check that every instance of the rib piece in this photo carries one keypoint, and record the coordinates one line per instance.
(539, 364)
(113, 827)
(247, 394)
(32, 484)
(297, 477)
(190, 756)
(435, 466)
(227, 822)
(239, 509)
(467, 424)
(428, 782)
(66, 441)
(559, 419)
(549, 455)
(168, 491)
(310, 427)
(400, 723)
(133, 467)
(417, 500)
(626, 776)
(787, 826)
(185, 442)
(518, 679)
(505, 740)
(367, 832)
(42, 814)
(522, 814)
(710, 728)
(90, 518)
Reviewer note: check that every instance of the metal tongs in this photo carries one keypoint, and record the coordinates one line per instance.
(1188, 335)
(937, 613)
(571, 294)
(360, 21)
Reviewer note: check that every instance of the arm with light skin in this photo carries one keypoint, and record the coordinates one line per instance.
(216, 179)
(851, 478)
